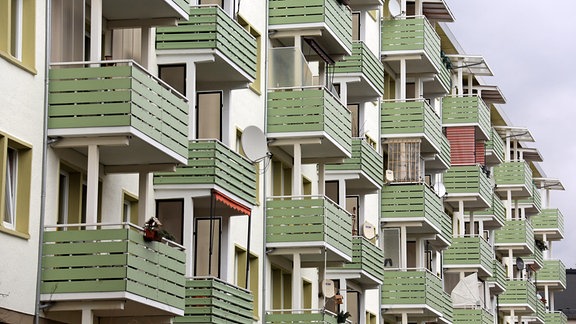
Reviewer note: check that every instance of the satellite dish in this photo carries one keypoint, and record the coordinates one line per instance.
(368, 230)
(394, 8)
(440, 189)
(389, 176)
(467, 291)
(254, 143)
(519, 263)
(328, 288)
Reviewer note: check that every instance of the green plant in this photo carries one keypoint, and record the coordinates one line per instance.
(341, 317)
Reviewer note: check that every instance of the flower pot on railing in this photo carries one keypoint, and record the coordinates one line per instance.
(152, 230)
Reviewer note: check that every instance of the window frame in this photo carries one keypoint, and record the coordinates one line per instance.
(18, 47)
(18, 225)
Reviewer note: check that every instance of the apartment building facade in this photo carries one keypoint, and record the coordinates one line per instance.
(280, 161)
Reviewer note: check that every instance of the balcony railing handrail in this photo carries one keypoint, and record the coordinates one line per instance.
(413, 270)
(407, 17)
(122, 224)
(129, 63)
(471, 236)
(301, 197)
(220, 281)
(297, 311)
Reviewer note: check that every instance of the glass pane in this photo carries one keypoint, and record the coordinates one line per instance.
(10, 189)
(355, 113)
(391, 247)
(331, 190)
(174, 75)
(209, 112)
(355, 26)
(171, 215)
(352, 206)
(207, 249)
(63, 199)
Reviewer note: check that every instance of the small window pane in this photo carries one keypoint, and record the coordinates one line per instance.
(207, 249)
(209, 115)
(174, 75)
(10, 194)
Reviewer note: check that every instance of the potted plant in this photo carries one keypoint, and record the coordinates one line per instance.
(152, 230)
(342, 317)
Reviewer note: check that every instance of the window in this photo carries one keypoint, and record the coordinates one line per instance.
(281, 289)
(404, 160)
(281, 179)
(355, 26)
(332, 191)
(170, 212)
(207, 247)
(209, 115)
(174, 75)
(256, 85)
(129, 208)
(17, 38)
(353, 207)
(355, 114)
(15, 177)
(253, 275)
(391, 247)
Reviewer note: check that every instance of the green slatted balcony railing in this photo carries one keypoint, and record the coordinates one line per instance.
(414, 289)
(334, 18)
(365, 160)
(515, 233)
(533, 204)
(541, 312)
(499, 278)
(310, 110)
(470, 252)
(469, 181)
(536, 259)
(364, 62)
(210, 28)
(366, 257)
(495, 148)
(445, 151)
(497, 212)
(553, 273)
(308, 220)
(210, 163)
(556, 318)
(416, 202)
(415, 35)
(414, 118)
(514, 175)
(467, 111)
(111, 260)
(549, 221)
(472, 316)
(115, 98)
(303, 316)
(519, 293)
(211, 300)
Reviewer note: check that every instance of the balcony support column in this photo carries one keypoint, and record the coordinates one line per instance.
(296, 282)
(460, 84)
(344, 93)
(342, 193)
(470, 85)
(507, 150)
(144, 190)
(472, 225)
(547, 296)
(321, 179)
(343, 291)
(402, 78)
(297, 172)
(508, 204)
(418, 87)
(87, 316)
(92, 184)
(418, 8)
(510, 263)
(145, 47)
(95, 30)
(404, 318)
(403, 247)
(551, 303)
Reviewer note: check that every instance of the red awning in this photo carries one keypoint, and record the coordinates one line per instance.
(231, 203)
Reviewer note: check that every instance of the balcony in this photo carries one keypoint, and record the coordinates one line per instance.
(415, 36)
(212, 165)
(517, 235)
(494, 149)
(364, 168)
(210, 32)
(364, 65)
(309, 222)
(520, 295)
(110, 103)
(409, 119)
(418, 204)
(535, 260)
(444, 157)
(327, 18)
(556, 318)
(472, 253)
(135, 13)
(211, 300)
(514, 176)
(113, 264)
(419, 291)
(313, 115)
(469, 184)
(467, 111)
(549, 222)
(305, 316)
(473, 316)
(497, 282)
(533, 204)
(366, 265)
(553, 275)
(493, 217)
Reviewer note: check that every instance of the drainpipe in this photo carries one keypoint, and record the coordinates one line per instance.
(264, 174)
(44, 168)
